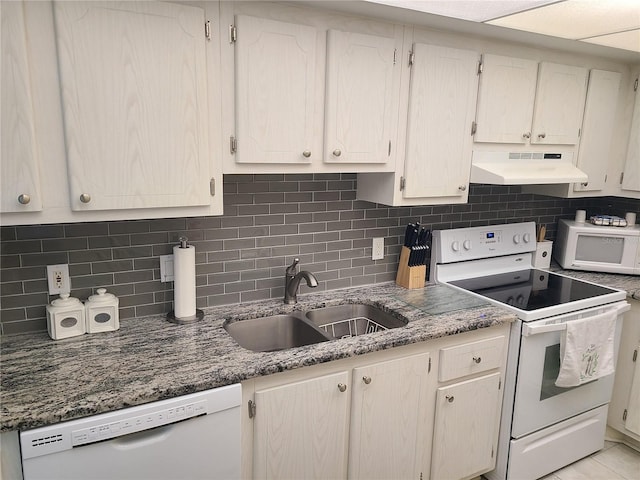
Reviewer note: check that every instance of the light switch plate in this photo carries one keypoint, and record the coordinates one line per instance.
(166, 268)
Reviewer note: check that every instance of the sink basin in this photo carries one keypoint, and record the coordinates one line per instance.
(277, 332)
(353, 319)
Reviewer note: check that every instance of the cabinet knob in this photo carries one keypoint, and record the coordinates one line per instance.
(337, 153)
(85, 198)
(584, 184)
(24, 198)
(542, 135)
(477, 359)
(462, 188)
(342, 387)
(526, 135)
(366, 380)
(450, 398)
(306, 153)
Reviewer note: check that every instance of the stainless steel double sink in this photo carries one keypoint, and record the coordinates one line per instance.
(295, 329)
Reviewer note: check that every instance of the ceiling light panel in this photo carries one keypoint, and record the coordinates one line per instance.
(473, 10)
(576, 19)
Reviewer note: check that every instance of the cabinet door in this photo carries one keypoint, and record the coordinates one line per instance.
(300, 429)
(19, 175)
(597, 128)
(362, 95)
(275, 92)
(559, 105)
(466, 428)
(631, 178)
(388, 419)
(632, 423)
(133, 78)
(505, 99)
(442, 101)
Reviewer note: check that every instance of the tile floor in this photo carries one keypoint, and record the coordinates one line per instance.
(614, 462)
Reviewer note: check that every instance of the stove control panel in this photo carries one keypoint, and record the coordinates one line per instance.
(472, 243)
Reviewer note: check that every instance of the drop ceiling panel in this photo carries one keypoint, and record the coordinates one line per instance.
(626, 40)
(576, 19)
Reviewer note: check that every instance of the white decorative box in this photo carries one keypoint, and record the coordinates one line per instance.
(102, 312)
(542, 257)
(65, 317)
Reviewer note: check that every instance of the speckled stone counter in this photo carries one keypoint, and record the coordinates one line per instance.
(46, 382)
(630, 283)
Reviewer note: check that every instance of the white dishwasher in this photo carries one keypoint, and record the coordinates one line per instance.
(194, 436)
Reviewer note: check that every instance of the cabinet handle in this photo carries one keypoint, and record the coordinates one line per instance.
(542, 135)
(337, 153)
(477, 359)
(462, 188)
(306, 153)
(450, 398)
(342, 387)
(85, 198)
(526, 135)
(584, 184)
(24, 198)
(366, 380)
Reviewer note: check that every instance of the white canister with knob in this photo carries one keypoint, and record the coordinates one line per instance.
(65, 317)
(102, 312)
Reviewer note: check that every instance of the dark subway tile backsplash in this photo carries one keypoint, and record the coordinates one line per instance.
(241, 256)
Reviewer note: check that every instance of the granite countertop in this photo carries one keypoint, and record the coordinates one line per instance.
(630, 283)
(148, 359)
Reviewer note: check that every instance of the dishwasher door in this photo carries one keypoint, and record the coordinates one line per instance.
(196, 436)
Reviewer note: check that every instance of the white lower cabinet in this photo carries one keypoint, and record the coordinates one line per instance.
(372, 416)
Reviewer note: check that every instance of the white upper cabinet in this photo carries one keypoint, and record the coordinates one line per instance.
(631, 175)
(442, 100)
(508, 113)
(559, 105)
(134, 93)
(276, 89)
(597, 129)
(19, 174)
(361, 98)
(505, 99)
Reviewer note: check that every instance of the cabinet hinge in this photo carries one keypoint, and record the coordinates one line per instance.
(395, 55)
(635, 356)
(207, 30)
(402, 183)
(233, 34)
(233, 145)
(579, 132)
(605, 178)
(429, 369)
(480, 66)
(389, 149)
(621, 177)
(635, 85)
(252, 408)
(499, 384)
(492, 452)
(412, 57)
(624, 415)
(474, 128)
(212, 187)
(420, 475)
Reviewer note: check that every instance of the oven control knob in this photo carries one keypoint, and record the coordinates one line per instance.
(455, 246)
(467, 244)
(526, 237)
(516, 239)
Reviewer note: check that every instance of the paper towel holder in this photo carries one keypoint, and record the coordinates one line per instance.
(199, 314)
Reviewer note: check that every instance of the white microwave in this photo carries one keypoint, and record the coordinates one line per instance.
(584, 246)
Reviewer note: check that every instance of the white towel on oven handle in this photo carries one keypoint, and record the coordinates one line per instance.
(587, 349)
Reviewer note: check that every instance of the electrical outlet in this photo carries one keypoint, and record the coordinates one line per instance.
(58, 279)
(377, 252)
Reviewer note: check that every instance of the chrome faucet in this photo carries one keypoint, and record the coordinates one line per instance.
(292, 281)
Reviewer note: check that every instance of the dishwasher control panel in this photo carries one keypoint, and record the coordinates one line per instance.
(137, 424)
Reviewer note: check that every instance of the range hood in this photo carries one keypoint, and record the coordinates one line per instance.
(509, 168)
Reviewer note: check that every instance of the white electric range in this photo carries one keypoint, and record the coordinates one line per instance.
(544, 427)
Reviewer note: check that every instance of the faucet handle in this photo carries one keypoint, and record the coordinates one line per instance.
(291, 269)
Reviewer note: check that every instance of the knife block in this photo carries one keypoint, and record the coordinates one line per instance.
(410, 277)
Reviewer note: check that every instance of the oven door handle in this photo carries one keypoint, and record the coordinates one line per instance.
(528, 330)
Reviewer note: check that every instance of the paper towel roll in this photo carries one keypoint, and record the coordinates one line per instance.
(184, 281)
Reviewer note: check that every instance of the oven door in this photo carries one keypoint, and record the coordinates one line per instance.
(538, 401)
